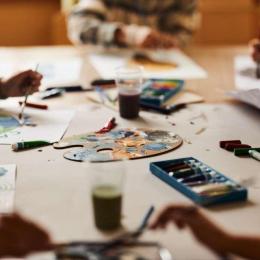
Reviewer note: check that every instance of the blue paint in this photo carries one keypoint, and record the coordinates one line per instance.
(3, 171)
(131, 149)
(155, 147)
(8, 122)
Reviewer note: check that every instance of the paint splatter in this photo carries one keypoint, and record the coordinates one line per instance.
(155, 146)
(187, 141)
(201, 130)
(3, 171)
(8, 123)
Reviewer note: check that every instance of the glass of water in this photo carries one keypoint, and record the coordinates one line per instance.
(129, 81)
(106, 180)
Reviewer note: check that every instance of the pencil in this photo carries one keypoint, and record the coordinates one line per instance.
(34, 105)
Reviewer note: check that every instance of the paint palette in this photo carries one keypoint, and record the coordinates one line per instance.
(198, 181)
(119, 144)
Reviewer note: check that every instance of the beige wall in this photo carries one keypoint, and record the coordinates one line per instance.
(27, 22)
(39, 22)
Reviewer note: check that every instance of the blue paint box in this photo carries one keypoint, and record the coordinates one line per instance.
(200, 191)
(157, 91)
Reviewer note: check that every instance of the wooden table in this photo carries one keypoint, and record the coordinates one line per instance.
(55, 191)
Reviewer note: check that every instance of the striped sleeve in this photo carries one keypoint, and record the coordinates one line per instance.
(87, 24)
(182, 20)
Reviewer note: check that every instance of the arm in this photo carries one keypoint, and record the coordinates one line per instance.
(182, 21)
(19, 237)
(26, 82)
(2, 95)
(87, 23)
(207, 232)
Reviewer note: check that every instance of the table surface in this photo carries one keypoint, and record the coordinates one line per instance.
(55, 192)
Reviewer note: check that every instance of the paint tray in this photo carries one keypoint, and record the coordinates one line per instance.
(236, 192)
(158, 91)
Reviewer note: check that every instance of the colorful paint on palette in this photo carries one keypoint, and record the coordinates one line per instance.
(119, 144)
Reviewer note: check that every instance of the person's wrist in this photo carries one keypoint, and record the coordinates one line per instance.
(120, 38)
(3, 95)
(228, 242)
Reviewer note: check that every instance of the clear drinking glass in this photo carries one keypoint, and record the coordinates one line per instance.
(129, 81)
(107, 179)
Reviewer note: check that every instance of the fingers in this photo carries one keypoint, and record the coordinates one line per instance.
(31, 81)
(173, 213)
(158, 40)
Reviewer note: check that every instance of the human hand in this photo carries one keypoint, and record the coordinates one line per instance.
(24, 83)
(19, 237)
(156, 40)
(207, 232)
(255, 50)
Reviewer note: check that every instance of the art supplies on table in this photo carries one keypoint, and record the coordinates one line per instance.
(239, 149)
(7, 187)
(156, 92)
(47, 125)
(198, 181)
(51, 93)
(20, 146)
(179, 100)
(119, 144)
(163, 64)
(34, 105)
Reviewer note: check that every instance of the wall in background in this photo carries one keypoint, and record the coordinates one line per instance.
(40, 22)
(228, 21)
(27, 22)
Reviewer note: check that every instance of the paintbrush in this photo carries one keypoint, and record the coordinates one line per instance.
(21, 114)
(129, 236)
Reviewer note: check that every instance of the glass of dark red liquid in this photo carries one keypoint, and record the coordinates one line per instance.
(129, 81)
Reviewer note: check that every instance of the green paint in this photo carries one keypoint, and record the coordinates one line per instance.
(244, 151)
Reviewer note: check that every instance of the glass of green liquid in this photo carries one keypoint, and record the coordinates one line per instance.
(107, 193)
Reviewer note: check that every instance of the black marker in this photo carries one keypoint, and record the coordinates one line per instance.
(102, 82)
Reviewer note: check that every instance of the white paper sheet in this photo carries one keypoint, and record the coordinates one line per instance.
(7, 187)
(56, 73)
(50, 125)
(251, 96)
(106, 63)
(245, 73)
(247, 85)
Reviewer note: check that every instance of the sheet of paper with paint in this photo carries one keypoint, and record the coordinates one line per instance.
(182, 66)
(251, 96)
(40, 125)
(247, 84)
(245, 73)
(7, 187)
(56, 73)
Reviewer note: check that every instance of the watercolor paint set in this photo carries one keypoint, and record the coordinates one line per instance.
(157, 91)
(198, 181)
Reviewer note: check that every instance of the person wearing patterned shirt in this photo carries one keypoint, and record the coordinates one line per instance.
(128, 23)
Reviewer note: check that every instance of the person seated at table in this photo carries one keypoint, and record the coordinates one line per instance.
(207, 232)
(20, 237)
(256, 50)
(128, 23)
(26, 82)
